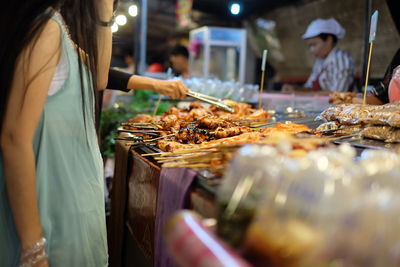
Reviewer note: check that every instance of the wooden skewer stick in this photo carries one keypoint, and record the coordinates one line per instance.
(157, 105)
(264, 62)
(174, 165)
(153, 154)
(139, 123)
(158, 138)
(367, 73)
(372, 36)
(189, 158)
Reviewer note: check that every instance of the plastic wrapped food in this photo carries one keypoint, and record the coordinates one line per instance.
(242, 188)
(330, 210)
(291, 224)
(332, 113)
(383, 133)
(350, 114)
(328, 126)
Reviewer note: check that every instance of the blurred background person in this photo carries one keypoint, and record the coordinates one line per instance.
(333, 69)
(179, 58)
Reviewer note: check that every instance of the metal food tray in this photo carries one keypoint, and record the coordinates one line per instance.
(209, 183)
(363, 143)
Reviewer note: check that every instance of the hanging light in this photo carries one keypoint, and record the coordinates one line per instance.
(235, 8)
(133, 10)
(114, 27)
(121, 20)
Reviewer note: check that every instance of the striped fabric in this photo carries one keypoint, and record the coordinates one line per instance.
(336, 72)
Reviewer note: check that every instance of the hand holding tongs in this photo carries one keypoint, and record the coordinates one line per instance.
(211, 100)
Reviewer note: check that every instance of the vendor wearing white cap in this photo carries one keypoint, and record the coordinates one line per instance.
(334, 69)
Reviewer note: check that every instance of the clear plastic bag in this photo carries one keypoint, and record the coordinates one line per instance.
(330, 210)
(291, 223)
(350, 114)
(244, 184)
(383, 133)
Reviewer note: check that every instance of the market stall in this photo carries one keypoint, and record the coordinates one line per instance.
(183, 168)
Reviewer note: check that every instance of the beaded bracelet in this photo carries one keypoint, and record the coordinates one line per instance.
(32, 261)
(37, 247)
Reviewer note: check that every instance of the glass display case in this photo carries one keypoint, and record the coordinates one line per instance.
(217, 52)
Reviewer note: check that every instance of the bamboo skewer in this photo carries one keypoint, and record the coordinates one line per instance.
(367, 73)
(158, 138)
(140, 131)
(194, 166)
(264, 62)
(139, 123)
(372, 36)
(157, 105)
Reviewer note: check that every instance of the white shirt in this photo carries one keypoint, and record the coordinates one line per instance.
(336, 72)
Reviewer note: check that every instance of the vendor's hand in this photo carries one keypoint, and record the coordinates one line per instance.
(173, 89)
(288, 88)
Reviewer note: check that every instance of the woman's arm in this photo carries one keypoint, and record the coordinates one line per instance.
(104, 43)
(23, 112)
(124, 81)
(173, 89)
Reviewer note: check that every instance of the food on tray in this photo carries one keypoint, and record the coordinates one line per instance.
(385, 133)
(328, 126)
(382, 121)
(291, 128)
(341, 97)
(234, 135)
(388, 114)
(141, 118)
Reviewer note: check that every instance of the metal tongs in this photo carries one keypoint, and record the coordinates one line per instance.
(211, 100)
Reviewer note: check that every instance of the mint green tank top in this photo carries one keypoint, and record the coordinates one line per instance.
(69, 179)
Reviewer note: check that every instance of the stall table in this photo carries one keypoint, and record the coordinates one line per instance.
(136, 194)
(144, 195)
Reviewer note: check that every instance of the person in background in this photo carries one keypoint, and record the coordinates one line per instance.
(130, 62)
(179, 58)
(156, 61)
(382, 93)
(333, 69)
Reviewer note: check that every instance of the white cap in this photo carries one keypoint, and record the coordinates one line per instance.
(330, 26)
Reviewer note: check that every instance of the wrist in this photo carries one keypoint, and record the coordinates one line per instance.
(34, 254)
(28, 239)
(153, 84)
(107, 23)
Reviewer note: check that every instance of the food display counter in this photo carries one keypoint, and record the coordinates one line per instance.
(151, 185)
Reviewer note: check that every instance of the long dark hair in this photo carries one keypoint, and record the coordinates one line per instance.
(21, 22)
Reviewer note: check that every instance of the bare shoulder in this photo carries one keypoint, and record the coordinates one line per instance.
(43, 52)
(48, 40)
